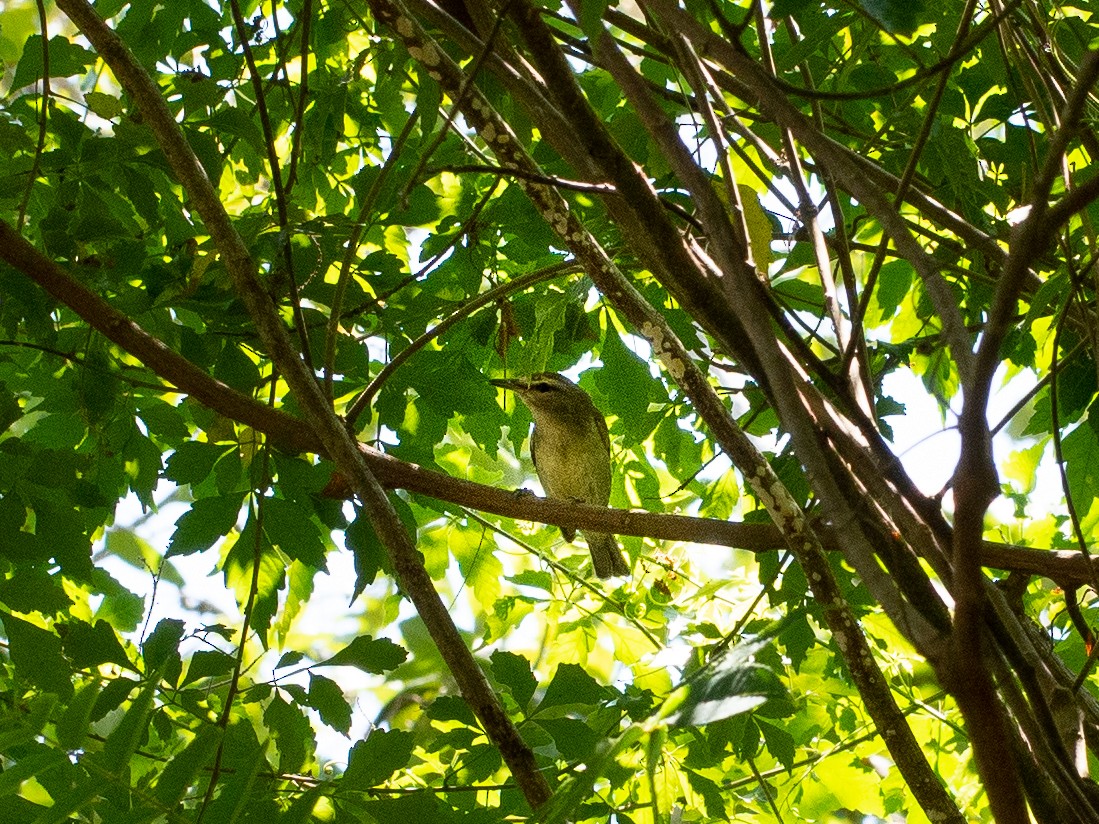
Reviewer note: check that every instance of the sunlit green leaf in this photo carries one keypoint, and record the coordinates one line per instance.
(514, 672)
(327, 698)
(571, 684)
(375, 758)
(368, 654)
(207, 521)
(37, 656)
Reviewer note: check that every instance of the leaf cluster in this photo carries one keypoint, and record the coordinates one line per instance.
(412, 259)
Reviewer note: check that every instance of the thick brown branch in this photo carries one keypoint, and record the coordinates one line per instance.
(330, 431)
(976, 486)
(290, 434)
(797, 531)
(285, 430)
(761, 86)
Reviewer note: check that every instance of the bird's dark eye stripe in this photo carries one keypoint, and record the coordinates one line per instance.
(543, 386)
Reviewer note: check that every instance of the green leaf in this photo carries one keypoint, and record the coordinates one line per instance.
(89, 646)
(575, 739)
(193, 461)
(779, 742)
(105, 105)
(10, 410)
(37, 656)
(33, 590)
(66, 59)
(896, 15)
(298, 479)
(1081, 454)
(417, 807)
(291, 731)
(130, 547)
(797, 638)
(894, 283)
(120, 608)
(301, 810)
(120, 745)
(290, 527)
(374, 655)
(208, 664)
(577, 788)
(112, 696)
(374, 759)
(117, 751)
(784, 8)
(71, 801)
(571, 684)
(591, 16)
(514, 672)
(711, 794)
(290, 659)
(370, 557)
(761, 230)
(37, 762)
(550, 313)
(161, 649)
(1076, 386)
(73, 725)
(451, 708)
(326, 697)
(19, 726)
(245, 758)
(533, 578)
(731, 686)
(143, 467)
(626, 388)
(97, 387)
(236, 369)
(232, 121)
(181, 772)
(208, 520)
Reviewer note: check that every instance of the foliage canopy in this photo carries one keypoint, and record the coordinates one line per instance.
(257, 262)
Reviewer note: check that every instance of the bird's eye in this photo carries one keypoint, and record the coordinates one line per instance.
(542, 386)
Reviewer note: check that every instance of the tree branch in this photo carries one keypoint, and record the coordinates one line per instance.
(333, 435)
(798, 533)
(290, 434)
(760, 86)
(286, 430)
(976, 486)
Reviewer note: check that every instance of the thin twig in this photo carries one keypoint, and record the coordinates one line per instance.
(43, 116)
(275, 167)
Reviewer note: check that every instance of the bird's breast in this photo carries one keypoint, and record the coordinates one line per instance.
(572, 463)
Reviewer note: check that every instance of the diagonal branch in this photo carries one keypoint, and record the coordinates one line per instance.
(757, 84)
(976, 485)
(287, 432)
(275, 168)
(284, 429)
(799, 534)
(330, 431)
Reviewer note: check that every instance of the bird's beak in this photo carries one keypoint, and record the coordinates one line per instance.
(505, 383)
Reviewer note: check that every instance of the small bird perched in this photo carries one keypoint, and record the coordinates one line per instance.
(571, 451)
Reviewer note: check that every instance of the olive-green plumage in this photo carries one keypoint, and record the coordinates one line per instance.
(571, 451)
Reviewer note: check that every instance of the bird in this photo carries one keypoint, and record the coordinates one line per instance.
(571, 450)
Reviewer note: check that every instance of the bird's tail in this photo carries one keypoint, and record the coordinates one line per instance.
(606, 556)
